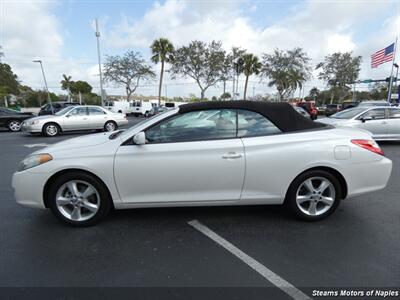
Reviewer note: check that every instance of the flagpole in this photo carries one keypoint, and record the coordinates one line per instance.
(391, 73)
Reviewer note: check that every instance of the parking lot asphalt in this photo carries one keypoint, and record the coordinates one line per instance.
(358, 246)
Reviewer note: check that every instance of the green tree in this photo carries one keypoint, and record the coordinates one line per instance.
(80, 86)
(236, 65)
(251, 65)
(162, 51)
(127, 70)
(204, 62)
(313, 93)
(286, 70)
(8, 80)
(66, 83)
(339, 70)
(225, 96)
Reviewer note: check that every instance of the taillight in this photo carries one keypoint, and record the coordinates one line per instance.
(370, 145)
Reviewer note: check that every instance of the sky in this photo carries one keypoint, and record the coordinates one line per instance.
(62, 35)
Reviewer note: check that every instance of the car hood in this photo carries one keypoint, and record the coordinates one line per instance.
(41, 118)
(77, 143)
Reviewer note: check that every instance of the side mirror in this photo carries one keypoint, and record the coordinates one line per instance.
(139, 138)
(365, 119)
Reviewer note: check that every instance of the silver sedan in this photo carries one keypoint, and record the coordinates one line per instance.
(71, 118)
(382, 122)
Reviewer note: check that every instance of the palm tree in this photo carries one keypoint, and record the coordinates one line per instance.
(251, 65)
(163, 51)
(66, 85)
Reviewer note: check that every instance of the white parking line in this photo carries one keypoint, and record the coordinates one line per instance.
(275, 279)
(36, 145)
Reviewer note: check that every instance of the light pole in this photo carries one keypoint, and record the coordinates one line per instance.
(98, 54)
(45, 84)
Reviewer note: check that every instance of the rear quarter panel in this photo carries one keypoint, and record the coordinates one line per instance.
(273, 162)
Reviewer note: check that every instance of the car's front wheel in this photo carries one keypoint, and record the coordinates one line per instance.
(314, 195)
(51, 129)
(78, 199)
(14, 125)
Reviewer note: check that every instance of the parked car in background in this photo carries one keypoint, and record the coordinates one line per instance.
(369, 103)
(349, 104)
(71, 118)
(332, 109)
(382, 122)
(49, 109)
(157, 110)
(12, 119)
(310, 108)
(247, 155)
(302, 111)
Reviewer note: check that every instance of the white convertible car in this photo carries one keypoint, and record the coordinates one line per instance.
(212, 153)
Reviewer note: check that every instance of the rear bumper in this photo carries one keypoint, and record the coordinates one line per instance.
(365, 178)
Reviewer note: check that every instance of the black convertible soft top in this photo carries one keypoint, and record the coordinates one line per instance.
(281, 114)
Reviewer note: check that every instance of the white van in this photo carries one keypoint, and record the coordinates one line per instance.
(118, 106)
(140, 108)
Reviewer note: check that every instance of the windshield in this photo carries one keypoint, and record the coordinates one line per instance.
(348, 113)
(64, 111)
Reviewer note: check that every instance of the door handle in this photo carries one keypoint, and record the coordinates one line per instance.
(231, 155)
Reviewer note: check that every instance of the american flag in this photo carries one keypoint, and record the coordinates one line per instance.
(382, 56)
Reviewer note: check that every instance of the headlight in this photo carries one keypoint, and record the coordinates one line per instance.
(33, 161)
(33, 122)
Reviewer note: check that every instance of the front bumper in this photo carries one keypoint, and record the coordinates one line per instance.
(28, 188)
(31, 128)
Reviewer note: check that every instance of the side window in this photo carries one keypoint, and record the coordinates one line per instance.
(376, 113)
(195, 126)
(394, 113)
(79, 111)
(57, 105)
(95, 111)
(253, 124)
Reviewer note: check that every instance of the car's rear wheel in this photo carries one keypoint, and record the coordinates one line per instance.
(14, 125)
(110, 126)
(79, 199)
(314, 195)
(51, 129)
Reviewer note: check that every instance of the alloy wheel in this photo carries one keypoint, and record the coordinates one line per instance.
(14, 126)
(77, 200)
(51, 130)
(315, 196)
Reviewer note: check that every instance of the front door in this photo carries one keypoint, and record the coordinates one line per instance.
(76, 119)
(186, 158)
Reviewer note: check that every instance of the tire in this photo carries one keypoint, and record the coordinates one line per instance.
(110, 126)
(147, 114)
(91, 207)
(51, 129)
(307, 202)
(14, 125)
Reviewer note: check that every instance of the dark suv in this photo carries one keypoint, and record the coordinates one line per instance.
(57, 106)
